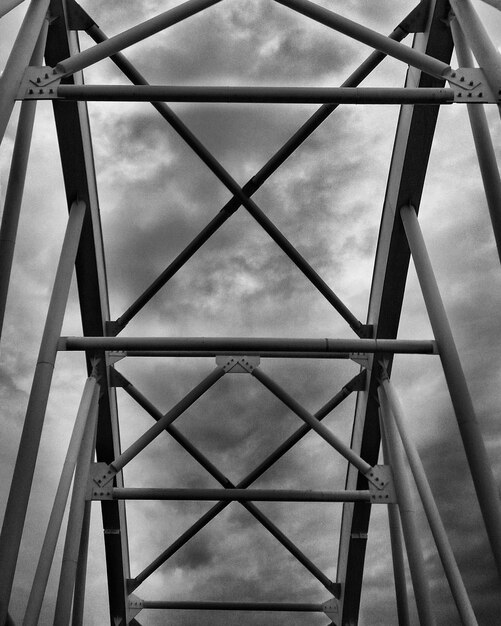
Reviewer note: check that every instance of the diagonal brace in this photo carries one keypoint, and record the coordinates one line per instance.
(151, 434)
(243, 199)
(354, 384)
(225, 482)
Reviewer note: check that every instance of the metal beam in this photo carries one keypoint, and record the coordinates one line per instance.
(225, 345)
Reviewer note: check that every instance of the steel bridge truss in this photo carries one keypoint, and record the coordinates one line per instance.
(95, 460)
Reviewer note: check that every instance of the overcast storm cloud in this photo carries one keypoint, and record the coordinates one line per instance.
(155, 196)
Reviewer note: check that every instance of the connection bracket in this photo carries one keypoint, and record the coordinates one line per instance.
(378, 477)
(236, 365)
(134, 606)
(100, 475)
(39, 83)
(114, 357)
(470, 85)
(385, 495)
(361, 358)
(331, 609)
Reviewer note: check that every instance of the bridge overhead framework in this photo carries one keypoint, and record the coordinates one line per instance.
(252, 408)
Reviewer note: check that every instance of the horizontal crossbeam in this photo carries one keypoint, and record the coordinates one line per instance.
(264, 95)
(302, 607)
(238, 495)
(244, 345)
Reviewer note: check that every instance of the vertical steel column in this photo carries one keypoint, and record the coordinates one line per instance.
(56, 517)
(19, 58)
(483, 141)
(407, 516)
(485, 51)
(17, 503)
(437, 528)
(397, 551)
(483, 479)
(15, 185)
(76, 519)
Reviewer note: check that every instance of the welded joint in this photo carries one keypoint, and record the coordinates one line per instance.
(387, 494)
(378, 477)
(115, 356)
(470, 85)
(331, 608)
(39, 83)
(238, 365)
(134, 606)
(101, 474)
(360, 358)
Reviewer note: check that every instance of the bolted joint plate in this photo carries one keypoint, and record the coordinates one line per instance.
(134, 606)
(94, 490)
(377, 476)
(101, 474)
(386, 493)
(39, 83)
(238, 365)
(331, 609)
(470, 85)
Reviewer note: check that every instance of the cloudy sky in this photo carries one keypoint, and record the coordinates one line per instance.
(155, 196)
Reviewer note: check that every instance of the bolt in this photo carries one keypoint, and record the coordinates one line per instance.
(480, 94)
(460, 94)
(30, 91)
(453, 75)
(46, 75)
(462, 79)
(51, 90)
(469, 95)
(38, 79)
(471, 83)
(40, 91)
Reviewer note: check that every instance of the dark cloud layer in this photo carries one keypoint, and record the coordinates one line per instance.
(155, 197)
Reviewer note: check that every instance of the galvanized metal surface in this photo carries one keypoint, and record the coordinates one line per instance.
(373, 350)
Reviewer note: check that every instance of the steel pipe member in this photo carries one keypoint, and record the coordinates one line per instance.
(131, 36)
(395, 49)
(264, 95)
(245, 344)
(233, 606)
(239, 495)
(18, 60)
(476, 454)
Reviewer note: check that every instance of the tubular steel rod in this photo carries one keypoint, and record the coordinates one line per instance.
(397, 552)
(302, 607)
(451, 569)
(56, 517)
(370, 37)
(15, 185)
(253, 184)
(19, 58)
(483, 142)
(248, 480)
(227, 180)
(17, 503)
(77, 616)
(239, 495)
(225, 482)
(486, 53)
(483, 479)
(312, 421)
(8, 5)
(76, 518)
(407, 516)
(245, 344)
(131, 36)
(134, 449)
(263, 95)
(263, 355)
